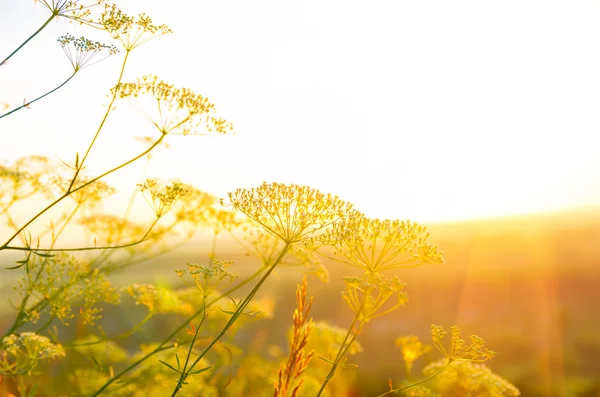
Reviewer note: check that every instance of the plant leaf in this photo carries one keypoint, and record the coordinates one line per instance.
(200, 370)
(170, 366)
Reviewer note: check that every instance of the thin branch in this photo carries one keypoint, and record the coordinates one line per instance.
(26, 104)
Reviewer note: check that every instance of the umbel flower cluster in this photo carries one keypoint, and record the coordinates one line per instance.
(73, 10)
(459, 348)
(170, 109)
(22, 353)
(162, 199)
(376, 245)
(290, 212)
(131, 32)
(81, 51)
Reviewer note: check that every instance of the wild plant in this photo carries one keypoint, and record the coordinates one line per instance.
(64, 292)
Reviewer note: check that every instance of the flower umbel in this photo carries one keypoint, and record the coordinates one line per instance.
(178, 110)
(131, 32)
(81, 51)
(290, 212)
(21, 353)
(161, 199)
(459, 350)
(208, 278)
(74, 10)
(376, 245)
(367, 295)
(465, 378)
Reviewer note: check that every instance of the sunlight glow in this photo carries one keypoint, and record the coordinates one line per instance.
(408, 111)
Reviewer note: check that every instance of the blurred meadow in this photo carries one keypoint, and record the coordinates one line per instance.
(528, 283)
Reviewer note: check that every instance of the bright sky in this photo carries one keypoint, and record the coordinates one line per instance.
(426, 110)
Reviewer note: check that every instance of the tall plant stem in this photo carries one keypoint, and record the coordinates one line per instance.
(54, 14)
(108, 109)
(164, 344)
(25, 104)
(343, 349)
(233, 318)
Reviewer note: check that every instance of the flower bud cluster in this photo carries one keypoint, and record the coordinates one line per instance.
(81, 51)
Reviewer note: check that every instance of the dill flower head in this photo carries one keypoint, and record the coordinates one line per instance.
(74, 10)
(131, 32)
(81, 51)
(290, 212)
(31, 345)
(179, 110)
(162, 199)
(465, 378)
(65, 282)
(27, 348)
(208, 277)
(375, 245)
(459, 349)
(367, 296)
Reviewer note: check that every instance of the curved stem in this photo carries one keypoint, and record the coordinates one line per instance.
(163, 346)
(30, 37)
(49, 206)
(25, 104)
(394, 391)
(232, 320)
(146, 237)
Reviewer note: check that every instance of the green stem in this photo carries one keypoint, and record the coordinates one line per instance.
(131, 244)
(40, 97)
(189, 353)
(232, 320)
(29, 38)
(394, 391)
(343, 349)
(163, 346)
